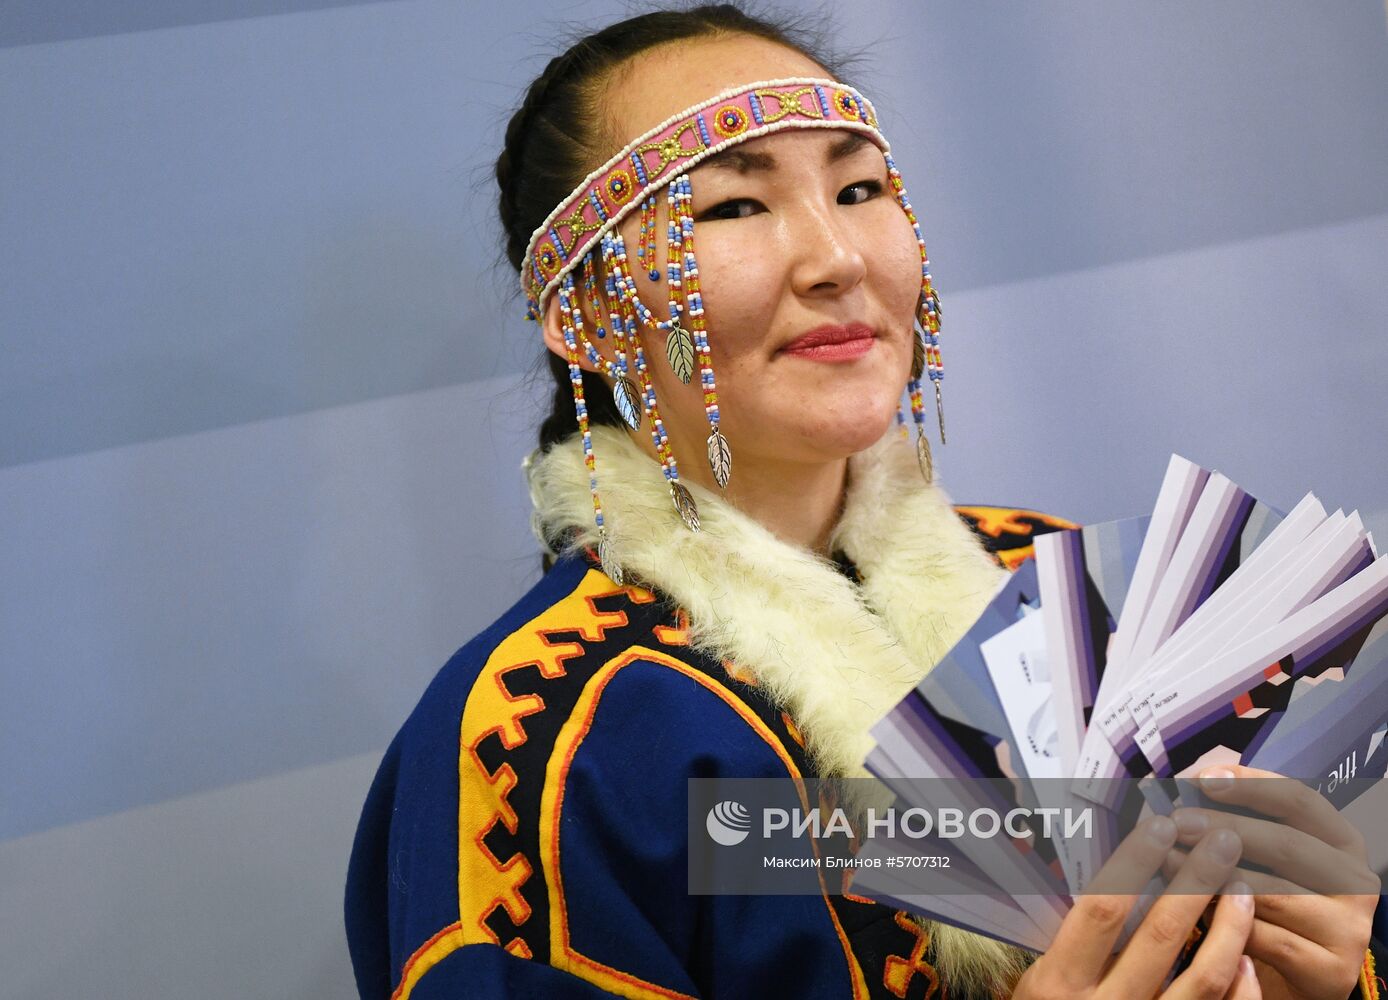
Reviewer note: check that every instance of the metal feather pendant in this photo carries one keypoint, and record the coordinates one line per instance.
(613, 571)
(628, 405)
(923, 456)
(720, 458)
(685, 506)
(679, 349)
(917, 354)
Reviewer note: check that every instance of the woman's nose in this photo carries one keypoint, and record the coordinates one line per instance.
(827, 259)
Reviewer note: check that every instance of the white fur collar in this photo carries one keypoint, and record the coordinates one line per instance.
(837, 656)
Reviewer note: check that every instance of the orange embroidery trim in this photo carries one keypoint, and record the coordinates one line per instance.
(900, 971)
(562, 953)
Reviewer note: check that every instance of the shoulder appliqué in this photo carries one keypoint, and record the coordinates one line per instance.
(1007, 532)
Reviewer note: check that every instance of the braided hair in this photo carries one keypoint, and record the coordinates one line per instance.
(556, 137)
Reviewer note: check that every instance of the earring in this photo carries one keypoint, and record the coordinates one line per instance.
(679, 346)
(913, 388)
(623, 392)
(633, 311)
(720, 455)
(572, 323)
(930, 306)
(925, 358)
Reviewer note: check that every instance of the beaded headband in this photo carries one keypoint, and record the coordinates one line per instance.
(582, 231)
(676, 145)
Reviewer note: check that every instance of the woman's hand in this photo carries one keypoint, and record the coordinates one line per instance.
(1080, 962)
(1306, 946)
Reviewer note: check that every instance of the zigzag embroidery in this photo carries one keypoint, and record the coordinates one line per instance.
(542, 648)
(899, 971)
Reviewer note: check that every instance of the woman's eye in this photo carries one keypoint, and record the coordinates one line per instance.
(866, 190)
(731, 209)
(741, 208)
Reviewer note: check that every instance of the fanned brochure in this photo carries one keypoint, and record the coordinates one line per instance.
(1127, 656)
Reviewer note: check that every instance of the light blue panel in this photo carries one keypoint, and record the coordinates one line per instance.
(1039, 138)
(247, 219)
(265, 216)
(28, 22)
(1257, 358)
(230, 894)
(182, 614)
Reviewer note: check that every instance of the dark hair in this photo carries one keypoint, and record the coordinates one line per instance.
(556, 137)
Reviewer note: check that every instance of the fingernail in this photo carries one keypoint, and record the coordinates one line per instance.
(1190, 823)
(1243, 896)
(1225, 846)
(1246, 966)
(1161, 831)
(1217, 779)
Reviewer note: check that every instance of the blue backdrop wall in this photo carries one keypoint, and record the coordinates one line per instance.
(264, 388)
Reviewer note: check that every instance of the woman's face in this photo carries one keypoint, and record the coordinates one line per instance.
(792, 231)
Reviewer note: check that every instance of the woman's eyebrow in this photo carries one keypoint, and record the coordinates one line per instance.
(744, 161)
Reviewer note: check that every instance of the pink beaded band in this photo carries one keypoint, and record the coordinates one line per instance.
(653, 159)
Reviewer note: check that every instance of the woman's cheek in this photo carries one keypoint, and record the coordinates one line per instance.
(894, 257)
(735, 296)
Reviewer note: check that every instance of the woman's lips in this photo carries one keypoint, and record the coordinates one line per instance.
(832, 343)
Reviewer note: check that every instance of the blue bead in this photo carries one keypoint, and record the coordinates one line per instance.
(703, 130)
(596, 202)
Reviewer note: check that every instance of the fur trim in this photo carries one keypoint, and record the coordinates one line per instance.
(835, 655)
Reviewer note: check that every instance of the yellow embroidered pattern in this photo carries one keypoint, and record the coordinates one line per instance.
(577, 227)
(670, 148)
(788, 103)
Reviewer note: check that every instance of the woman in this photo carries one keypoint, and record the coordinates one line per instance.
(750, 615)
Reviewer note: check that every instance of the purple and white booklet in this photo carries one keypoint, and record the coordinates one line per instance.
(1126, 657)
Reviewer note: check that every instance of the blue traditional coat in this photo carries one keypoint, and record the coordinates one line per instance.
(526, 834)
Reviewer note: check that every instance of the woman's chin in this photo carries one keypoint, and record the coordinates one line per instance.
(852, 434)
(870, 435)
(828, 428)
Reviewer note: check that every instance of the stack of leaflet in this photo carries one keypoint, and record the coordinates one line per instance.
(1128, 654)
